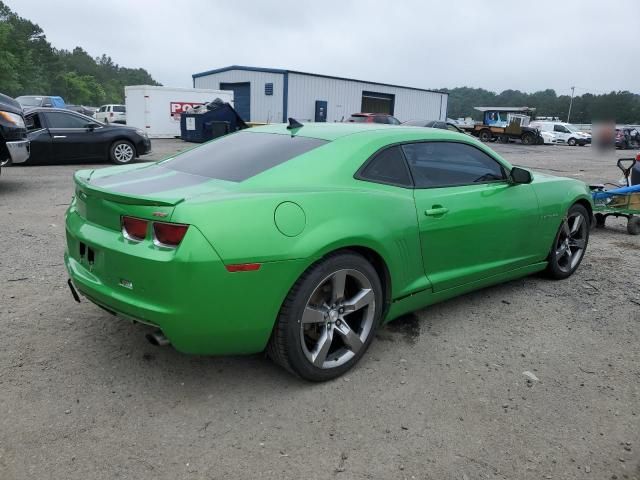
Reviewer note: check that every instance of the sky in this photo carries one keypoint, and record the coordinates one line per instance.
(522, 45)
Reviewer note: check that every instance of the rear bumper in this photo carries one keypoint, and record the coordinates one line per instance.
(187, 293)
(18, 151)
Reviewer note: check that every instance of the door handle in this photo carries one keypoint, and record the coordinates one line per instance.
(436, 211)
(59, 136)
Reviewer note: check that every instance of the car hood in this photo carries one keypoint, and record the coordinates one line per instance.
(8, 104)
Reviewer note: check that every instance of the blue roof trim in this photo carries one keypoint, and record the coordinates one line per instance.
(285, 96)
(281, 71)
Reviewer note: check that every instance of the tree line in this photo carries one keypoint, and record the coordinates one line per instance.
(622, 107)
(29, 65)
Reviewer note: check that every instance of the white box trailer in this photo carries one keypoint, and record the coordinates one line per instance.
(156, 110)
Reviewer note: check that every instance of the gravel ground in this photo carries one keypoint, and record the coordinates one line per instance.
(441, 394)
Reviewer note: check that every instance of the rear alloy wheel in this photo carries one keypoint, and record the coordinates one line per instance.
(570, 243)
(329, 318)
(571, 142)
(122, 152)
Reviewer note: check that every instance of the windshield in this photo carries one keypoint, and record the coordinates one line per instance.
(30, 101)
(572, 128)
(241, 155)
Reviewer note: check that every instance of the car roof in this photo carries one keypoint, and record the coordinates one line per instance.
(333, 131)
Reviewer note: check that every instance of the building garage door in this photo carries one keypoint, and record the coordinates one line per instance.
(373, 102)
(241, 98)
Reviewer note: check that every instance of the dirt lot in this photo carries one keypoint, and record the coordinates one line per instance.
(440, 395)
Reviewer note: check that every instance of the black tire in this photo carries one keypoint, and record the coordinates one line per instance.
(600, 220)
(289, 335)
(122, 152)
(562, 265)
(633, 226)
(485, 135)
(528, 139)
(571, 142)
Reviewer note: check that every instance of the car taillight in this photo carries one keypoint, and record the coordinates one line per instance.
(169, 234)
(134, 228)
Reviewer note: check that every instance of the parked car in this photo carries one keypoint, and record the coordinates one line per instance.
(112, 114)
(433, 124)
(302, 241)
(14, 144)
(373, 118)
(627, 137)
(50, 101)
(88, 111)
(59, 135)
(563, 133)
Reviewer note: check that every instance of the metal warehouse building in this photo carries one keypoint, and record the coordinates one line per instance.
(273, 95)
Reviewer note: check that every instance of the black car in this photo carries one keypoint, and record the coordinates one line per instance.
(63, 135)
(434, 124)
(88, 111)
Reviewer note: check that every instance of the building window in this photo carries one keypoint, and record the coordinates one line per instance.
(268, 88)
(374, 102)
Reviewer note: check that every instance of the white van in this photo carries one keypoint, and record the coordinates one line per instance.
(562, 133)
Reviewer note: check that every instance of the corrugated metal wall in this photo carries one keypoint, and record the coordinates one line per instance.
(344, 97)
(264, 108)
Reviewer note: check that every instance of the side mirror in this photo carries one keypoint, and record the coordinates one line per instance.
(520, 175)
(91, 127)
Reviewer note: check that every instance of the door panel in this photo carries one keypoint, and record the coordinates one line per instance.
(472, 232)
(473, 222)
(70, 138)
(241, 98)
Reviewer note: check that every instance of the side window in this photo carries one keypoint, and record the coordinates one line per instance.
(65, 120)
(32, 122)
(388, 166)
(442, 164)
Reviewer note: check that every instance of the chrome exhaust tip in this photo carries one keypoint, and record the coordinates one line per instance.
(157, 338)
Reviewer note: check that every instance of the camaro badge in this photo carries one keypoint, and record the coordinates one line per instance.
(126, 284)
(159, 214)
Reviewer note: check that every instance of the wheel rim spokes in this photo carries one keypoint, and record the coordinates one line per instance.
(123, 153)
(337, 319)
(571, 242)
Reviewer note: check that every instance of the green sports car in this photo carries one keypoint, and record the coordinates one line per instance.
(302, 240)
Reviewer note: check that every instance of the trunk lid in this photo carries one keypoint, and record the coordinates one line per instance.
(144, 191)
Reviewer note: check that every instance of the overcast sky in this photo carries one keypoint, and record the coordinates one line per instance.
(524, 45)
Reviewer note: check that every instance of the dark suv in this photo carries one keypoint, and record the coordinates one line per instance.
(373, 118)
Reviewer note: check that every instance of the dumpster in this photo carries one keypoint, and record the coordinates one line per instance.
(209, 121)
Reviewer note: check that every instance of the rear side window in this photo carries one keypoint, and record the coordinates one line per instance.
(443, 164)
(389, 167)
(241, 155)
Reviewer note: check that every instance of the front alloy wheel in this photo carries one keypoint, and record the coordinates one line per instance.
(122, 152)
(329, 318)
(570, 243)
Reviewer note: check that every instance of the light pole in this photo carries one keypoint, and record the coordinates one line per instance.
(570, 104)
